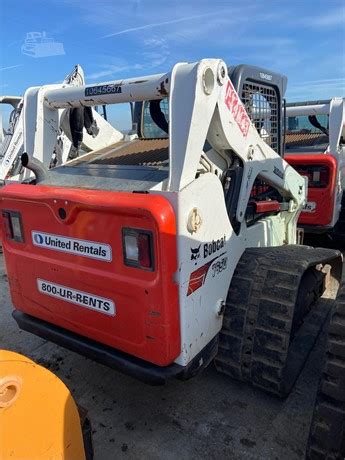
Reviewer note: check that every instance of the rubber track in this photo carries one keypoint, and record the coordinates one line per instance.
(339, 228)
(327, 433)
(254, 343)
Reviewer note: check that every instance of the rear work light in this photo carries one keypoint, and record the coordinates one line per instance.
(137, 248)
(13, 229)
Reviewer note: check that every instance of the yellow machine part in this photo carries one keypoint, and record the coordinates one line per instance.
(38, 416)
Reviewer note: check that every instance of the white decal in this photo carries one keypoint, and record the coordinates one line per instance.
(12, 151)
(83, 299)
(265, 76)
(235, 106)
(84, 248)
(310, 206)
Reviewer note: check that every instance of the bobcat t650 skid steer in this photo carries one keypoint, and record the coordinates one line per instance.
(176, 246)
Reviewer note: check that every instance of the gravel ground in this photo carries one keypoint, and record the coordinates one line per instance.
(210, 416)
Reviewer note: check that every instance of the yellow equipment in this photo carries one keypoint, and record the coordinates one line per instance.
(38, 416)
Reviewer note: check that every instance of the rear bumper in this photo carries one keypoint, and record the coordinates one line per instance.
(127, 364)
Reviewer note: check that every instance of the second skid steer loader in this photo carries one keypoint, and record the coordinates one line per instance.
(175, 247)
(315, 147)
(77, 131)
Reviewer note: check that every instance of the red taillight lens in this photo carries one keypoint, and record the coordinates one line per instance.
(137, 248)
(13, 228)
(144, 246)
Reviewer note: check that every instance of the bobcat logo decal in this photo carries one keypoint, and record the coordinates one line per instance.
(195, 253)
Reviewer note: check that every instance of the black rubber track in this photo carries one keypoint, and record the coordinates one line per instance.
(337, 236)
(255, 343)
(327, 432)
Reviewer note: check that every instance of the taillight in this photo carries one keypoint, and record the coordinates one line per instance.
(137, 248)
(13, 226)
(318, 176)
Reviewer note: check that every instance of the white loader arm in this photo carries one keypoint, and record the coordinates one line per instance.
(203, 105)
(31, 118)
(12, 144)
(334, 108)
(218, 115)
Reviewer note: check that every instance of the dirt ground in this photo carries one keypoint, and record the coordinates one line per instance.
(209, 416)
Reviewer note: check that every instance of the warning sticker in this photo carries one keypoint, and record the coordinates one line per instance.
(83, 299)
(85, 248)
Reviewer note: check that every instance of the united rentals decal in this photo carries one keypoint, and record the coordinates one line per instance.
(84, 248)
(81, 298)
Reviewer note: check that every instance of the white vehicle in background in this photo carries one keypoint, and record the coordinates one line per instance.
(315, 147)
(79, 130)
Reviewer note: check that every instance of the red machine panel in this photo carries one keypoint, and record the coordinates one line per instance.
(98, 263)
(321, 170)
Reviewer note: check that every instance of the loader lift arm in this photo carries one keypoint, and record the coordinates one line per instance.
(225, 125)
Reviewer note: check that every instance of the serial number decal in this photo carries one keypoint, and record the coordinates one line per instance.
(310, 206)
(85, 248)
(233, 103)
(219, 266)
(83, 299)
(102, 89)
(265, 76)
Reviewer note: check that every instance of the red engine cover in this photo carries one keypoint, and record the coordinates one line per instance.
(146, 321)
(324, 196)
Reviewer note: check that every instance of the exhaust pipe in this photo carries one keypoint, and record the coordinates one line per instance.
(34, 165)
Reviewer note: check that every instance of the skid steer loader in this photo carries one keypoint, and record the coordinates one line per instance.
(176, 246)
(315, 147)
(79, 130)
